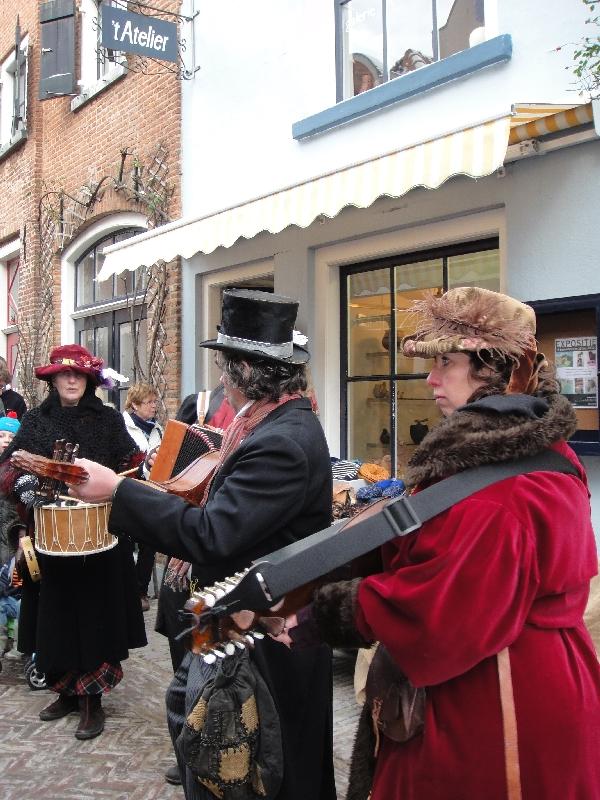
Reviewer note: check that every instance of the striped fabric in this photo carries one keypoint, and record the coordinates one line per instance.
(475, 151)
(550, 123)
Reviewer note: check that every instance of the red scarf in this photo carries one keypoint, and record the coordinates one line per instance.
(241, 427)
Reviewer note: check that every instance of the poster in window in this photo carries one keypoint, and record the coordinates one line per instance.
(576, 360)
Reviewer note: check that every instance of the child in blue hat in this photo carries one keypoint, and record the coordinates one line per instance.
(9, 425)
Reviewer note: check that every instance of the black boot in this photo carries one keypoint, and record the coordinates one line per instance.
(91, 719)
(173, 775)
(63, 705)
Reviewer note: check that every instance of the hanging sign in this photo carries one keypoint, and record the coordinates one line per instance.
(138, 33)
(576, 360)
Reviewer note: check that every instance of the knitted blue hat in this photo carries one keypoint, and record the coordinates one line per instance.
(10, 424)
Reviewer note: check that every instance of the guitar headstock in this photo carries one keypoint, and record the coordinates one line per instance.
(49, 468)
(221, 625)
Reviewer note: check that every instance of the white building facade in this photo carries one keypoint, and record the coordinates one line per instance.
(354, 154)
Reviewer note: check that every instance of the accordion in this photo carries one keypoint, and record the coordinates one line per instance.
(186, 459)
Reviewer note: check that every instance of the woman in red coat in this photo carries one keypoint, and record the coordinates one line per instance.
(508, 567)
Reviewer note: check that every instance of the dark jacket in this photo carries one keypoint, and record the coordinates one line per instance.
(12, 401)
(273, 490)
(86, 610)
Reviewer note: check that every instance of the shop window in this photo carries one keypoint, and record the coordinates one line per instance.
(387, 405)
(13, 95)
(112, 319)
(567, 333)
(378, 40)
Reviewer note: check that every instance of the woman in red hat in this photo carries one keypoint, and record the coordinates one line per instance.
(87, 614)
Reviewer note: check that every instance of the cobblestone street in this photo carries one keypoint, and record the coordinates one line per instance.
(127, 762)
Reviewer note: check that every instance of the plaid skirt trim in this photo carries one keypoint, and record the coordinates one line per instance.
(100, 681)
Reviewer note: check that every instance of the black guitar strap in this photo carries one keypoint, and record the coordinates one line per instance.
(282, 571)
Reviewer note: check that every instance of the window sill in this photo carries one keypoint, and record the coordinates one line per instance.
(495, 51)
(89, 92)
(12, 144)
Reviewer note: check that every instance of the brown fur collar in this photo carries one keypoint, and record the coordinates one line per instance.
(470, 438)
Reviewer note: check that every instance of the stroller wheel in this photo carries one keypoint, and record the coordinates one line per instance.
(35, 679)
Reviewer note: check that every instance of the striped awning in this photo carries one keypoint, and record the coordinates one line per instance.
(476, 152)
(547, 119)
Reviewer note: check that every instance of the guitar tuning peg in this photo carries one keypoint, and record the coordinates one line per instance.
(257, 635)
(218, 653)
(240, 645)
(208, 599)
(249, 638)
(229, 648)
(209, 658)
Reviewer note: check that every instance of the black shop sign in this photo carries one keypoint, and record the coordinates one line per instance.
(138, 33)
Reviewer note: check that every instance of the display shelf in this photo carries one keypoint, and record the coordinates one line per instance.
(378, 400)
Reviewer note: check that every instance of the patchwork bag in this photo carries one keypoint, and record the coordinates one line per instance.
(231, 740)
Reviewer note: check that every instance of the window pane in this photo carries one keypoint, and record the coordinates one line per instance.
(104, 289)
(86, 339)
(416, 413)
(369, 409)
(85, 280)
(410, 39)
(101, 347)
(413, 281)
(475, 269)
(13, 292)
(362, 32)
(461, 25)
(126, 351)
(369, 323)
(143, 341)
(126, 345)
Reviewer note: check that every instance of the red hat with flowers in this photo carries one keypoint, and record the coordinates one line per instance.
(73, 357)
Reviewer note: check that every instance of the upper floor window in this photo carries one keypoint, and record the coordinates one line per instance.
(378, 40)
(13, 93)
(12, 291)
(97, 61)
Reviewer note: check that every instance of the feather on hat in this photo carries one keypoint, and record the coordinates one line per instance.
(470, 319)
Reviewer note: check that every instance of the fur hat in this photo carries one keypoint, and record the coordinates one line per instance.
(73, 357)
(470, 319)
(259, 324)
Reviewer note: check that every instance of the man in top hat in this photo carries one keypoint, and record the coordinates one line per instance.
(272, 487)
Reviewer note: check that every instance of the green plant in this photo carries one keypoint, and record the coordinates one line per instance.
(587, 56)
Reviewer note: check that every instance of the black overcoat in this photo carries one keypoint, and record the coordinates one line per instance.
(274, 489)
(86, 609)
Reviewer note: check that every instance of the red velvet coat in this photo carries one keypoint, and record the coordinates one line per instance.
(510, 565)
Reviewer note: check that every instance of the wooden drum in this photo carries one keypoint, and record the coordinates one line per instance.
(77, 530)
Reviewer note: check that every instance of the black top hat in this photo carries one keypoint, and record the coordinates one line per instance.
(259, 324)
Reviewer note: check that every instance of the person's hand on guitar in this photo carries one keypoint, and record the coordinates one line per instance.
(177, 574)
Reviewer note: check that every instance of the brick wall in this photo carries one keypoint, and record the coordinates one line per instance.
(65, 150)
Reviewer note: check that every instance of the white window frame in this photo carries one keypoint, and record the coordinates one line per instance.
(95, 73)
(95, 232)
(8, 252)
(344, 65)
(9, 75)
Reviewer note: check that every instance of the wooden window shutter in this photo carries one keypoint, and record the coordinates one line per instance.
(57, 72)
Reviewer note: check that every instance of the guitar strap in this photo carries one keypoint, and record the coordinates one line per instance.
(301, 562)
